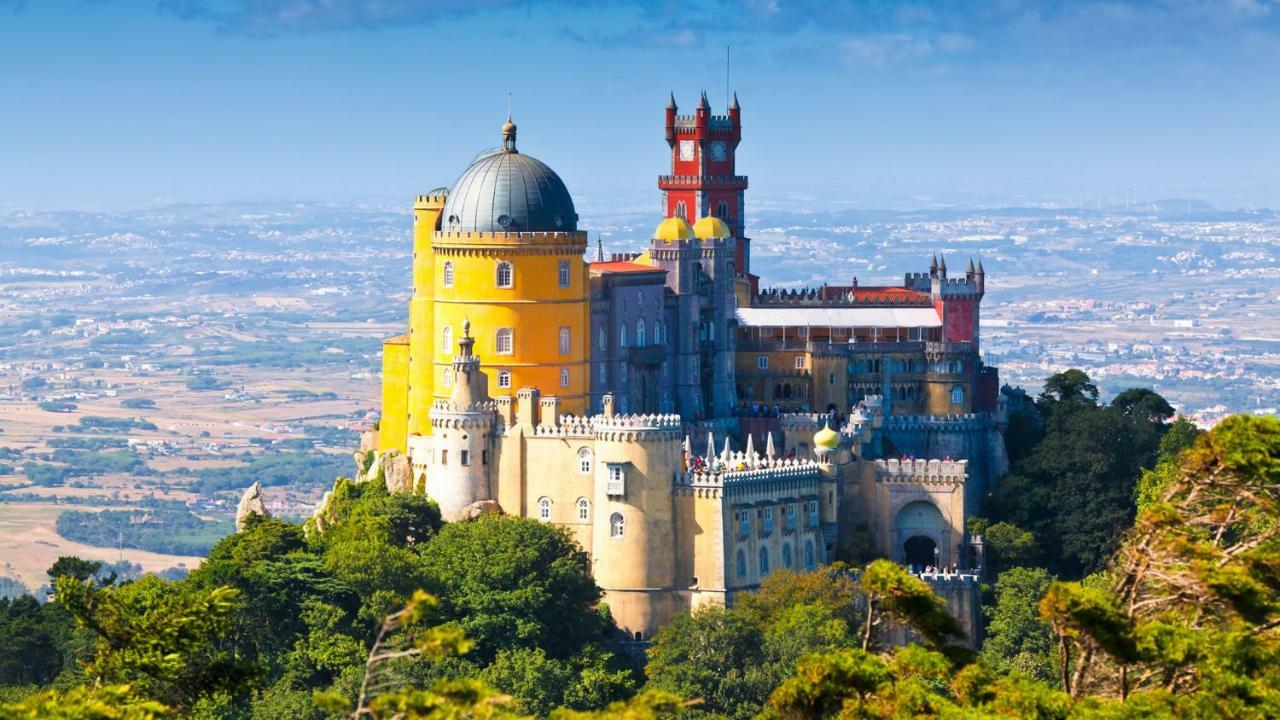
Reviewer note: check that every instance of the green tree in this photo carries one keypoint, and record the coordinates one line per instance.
(1017, 639)
(514, 583)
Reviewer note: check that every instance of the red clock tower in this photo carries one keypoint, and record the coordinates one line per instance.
(702, 180)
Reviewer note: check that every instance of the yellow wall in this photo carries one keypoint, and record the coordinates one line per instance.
(393, 427)
(535, 308)
(426, 217)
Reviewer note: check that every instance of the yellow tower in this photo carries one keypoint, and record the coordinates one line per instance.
(426, 221)
(508, 256)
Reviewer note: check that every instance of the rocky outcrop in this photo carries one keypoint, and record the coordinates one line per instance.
(480, 507)
(251, 503)
(397, 472)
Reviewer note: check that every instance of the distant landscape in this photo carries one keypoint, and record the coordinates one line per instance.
(155, 363)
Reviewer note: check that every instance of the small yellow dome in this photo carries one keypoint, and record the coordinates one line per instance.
(673, 228)
(711, 227)
(826, 438)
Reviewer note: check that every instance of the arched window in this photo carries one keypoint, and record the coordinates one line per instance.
(682, 211)
(622, 334)
(617, 525)
(504, 343)
(564, 341)
(504, 275)
(742, 563)
(448, 377)
(657, 332)
(809, 562)
(448, 274)
(584, 509)
(564, 377)
(722, 210)
(602, 339)
(640, 332)
(957, 395)
(504, 378)
(564, 273)
(544, 509)
(446, 340)
(584, 461)
(764, 561)
(786, 556)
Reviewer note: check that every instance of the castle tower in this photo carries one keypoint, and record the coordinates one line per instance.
(703, 182)
(509, 255)
(426, 221)
(632, 553)
(462, 440)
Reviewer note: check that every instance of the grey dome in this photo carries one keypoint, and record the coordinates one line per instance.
(506, 191)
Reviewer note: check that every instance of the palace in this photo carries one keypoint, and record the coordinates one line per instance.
(693, 430)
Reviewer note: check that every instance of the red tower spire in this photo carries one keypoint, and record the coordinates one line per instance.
(703, 179)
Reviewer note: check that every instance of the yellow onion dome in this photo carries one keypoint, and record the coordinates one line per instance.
(673, 228)
(826, 438)
(711, 227)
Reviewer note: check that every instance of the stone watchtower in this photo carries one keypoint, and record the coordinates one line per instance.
(462, 439)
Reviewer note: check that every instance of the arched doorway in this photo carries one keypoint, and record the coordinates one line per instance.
(920, 551)
(921, 529)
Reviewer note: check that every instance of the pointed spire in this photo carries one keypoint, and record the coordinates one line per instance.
(671, 101)
(942, 264)
(688, 447)
(751, 448)
(599, 248)
(769, 452)
(711, 445)
(728, 451)
(734, 105)
(704, 103)
(933, 264)
(980, 270)
(969, 270)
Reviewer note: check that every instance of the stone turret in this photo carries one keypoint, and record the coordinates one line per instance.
(462, 433)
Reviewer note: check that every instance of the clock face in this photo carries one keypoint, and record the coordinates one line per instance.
(686, 149)
(719, 151)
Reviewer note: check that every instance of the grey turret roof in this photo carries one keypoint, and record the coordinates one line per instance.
(734, 105)
(671, 101)
(508, 191)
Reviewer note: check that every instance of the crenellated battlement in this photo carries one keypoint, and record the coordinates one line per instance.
(588, 426)
(958, 421)
(932, 472)
(840, 297)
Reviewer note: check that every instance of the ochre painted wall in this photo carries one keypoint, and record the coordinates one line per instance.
(426, 217)
(393, 427)
(535, 308)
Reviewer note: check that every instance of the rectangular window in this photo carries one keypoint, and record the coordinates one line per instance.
(799, 362)
(444, 457)
(465, 458)
(767, 525)
(791, 517)
(565, 337)
(762, 362)
(616, 484)
(813, 514)
(564, 273)
(484, 457)
(744, 523)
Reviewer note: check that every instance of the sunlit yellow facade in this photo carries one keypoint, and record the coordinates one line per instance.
(541, 306)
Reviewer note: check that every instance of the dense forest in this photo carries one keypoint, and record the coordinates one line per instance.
(1132, 572)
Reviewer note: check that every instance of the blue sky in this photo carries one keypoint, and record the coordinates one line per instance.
(112, 104)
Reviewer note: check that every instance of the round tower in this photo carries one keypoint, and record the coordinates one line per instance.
(633, 542)
(458, 474)
(509, 255)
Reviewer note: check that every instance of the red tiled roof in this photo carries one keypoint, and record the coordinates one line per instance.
(622, 266)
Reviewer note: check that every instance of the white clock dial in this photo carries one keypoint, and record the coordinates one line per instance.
(719, 151)
(686, 149)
